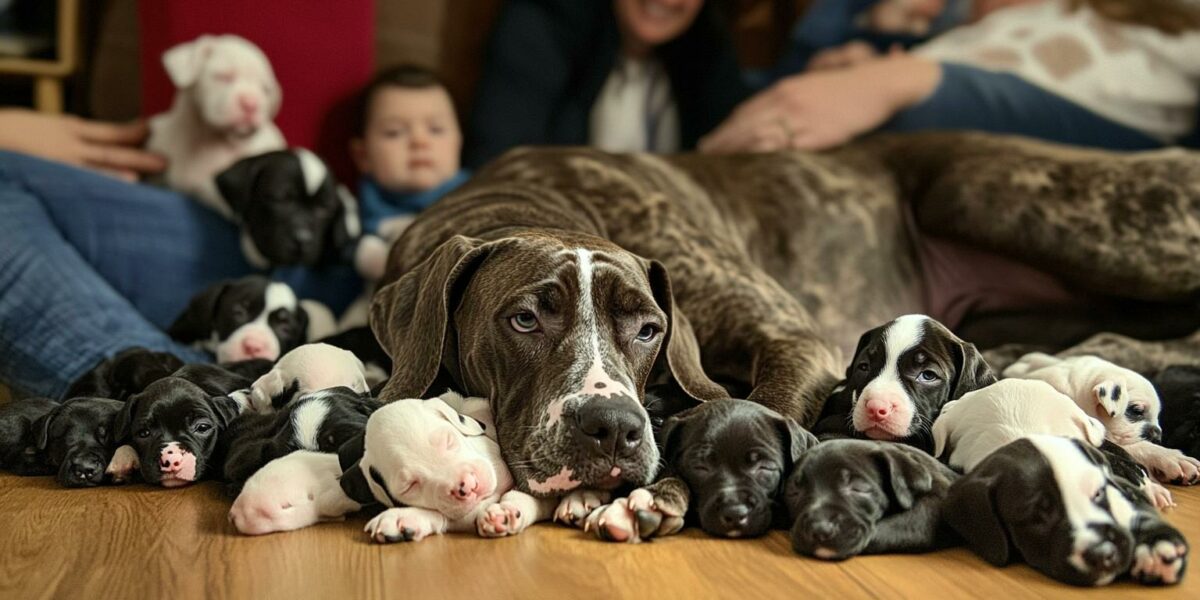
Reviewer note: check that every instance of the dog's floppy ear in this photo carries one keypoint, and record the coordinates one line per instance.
(353, 480)
(903, 473)
(123, 420)
(796, 439)
(195, 323)
(972, 371)
(236, 183)
(346, 227)
(1091, 428)
(465, 425)
(863, 340)
(42, 425)
(671, 436)
(410, 316)
(970, 508)
(185, 61)
(226, 409)
(682, 351)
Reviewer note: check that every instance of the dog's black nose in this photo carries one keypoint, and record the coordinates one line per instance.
(735, 516)
(1152, 433)
(83, 472)
(823, 531)
(1101, 557)
(610, 427)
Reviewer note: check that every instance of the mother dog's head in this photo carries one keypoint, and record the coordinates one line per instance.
(561, 330)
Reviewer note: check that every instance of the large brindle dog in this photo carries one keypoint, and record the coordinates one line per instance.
(561, 281)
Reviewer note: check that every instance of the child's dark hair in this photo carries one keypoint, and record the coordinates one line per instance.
(407, 76)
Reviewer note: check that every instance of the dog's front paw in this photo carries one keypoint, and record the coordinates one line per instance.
(1160, 560)
(575, 506)
(400, 525)
(1172, 466)
(1159, 495)
(499, 520)
(641, 516)
(123, 465)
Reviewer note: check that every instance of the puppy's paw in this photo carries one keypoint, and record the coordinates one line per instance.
(400, 525)
(499, 520)
(575, 506)
(1108, 395)
(641, 516)
(1160, 560)
(1159, 495)
(123, 465)
(1172, 466)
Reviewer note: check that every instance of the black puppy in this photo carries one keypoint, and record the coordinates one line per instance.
(19, 450)
(901, 376)
(321, 421)
(240, 319)
(76, 439)
(126, 373)
(850, 497)
(731, 458)
(1055, 502)
(1179, 391)
(292, 212)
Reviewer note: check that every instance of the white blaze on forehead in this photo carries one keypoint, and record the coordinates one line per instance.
(901, 335)
(277, 296)
(313, 169)
(307, 420)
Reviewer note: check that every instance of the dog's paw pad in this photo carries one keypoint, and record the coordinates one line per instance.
(499, 520)
(398, 525)
(613, 522)
(577, 505)
(1159, 562)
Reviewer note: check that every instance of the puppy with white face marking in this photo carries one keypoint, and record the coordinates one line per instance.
(305, 369)
(901, 376)
(1054, 502)
(226, 97)
(239, 319)
(1122, 399)
(437, 469)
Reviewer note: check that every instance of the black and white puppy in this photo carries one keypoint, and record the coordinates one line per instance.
(126, 373)
(240, 319)
(19, 452)
(1179, 391)
(901, 375)
(76, 437)
(291, 210)
(1056, 503)
(320, 421)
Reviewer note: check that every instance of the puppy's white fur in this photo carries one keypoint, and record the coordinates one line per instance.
(292, 492)
(984, 420)
(1093, 383)
(312, 367)
(210, 125)
(445, 472)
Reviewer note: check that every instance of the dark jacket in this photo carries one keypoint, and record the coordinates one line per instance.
(547, 61)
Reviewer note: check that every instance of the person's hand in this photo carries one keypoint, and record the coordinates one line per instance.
(819, 110)
(839, 57)
(110, 148)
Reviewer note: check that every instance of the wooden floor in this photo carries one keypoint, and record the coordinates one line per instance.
(143, 542)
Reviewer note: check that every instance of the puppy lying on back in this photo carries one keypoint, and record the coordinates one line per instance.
(726, 462)
(1179, 389)
(436, 466)
(19, 452)
(1121, 399)
(850, 497)
(901, 375)
(308, 368)
(1054, 502)
(77, 440)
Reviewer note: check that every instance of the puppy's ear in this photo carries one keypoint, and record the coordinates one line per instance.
(670, 440)
(465, 425)
(123, 420)
(236, 183)
(346, 227)
(354, 483)
(970, 508)
(971, 370)
(410, 316)
(1091, 428)
(225, 409)
(42, 426)
(195, 323)
(680, 352)
(903, 473)
(185, 61)
(796, 439)
(863, 341)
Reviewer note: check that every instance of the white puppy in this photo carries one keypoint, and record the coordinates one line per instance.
(292, 492)
(1122, 399)
(226, 97)
(308, 368)
(436, 464)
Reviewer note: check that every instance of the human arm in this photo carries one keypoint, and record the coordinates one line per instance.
(107, 147)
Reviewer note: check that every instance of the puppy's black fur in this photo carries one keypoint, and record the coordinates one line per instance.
(253, 440)
(288, 222)
(19, 450)
(126, 373)
(215, 380)
(733, 455)
(223, 308)
(850, 497)
(1179, 391)
(76, 438)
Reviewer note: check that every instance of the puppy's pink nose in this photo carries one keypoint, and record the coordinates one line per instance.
(879, 407)
(170, 461)
(467, 485)
(253, 348)
(248, 104)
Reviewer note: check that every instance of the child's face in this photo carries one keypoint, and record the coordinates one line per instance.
(412, 141)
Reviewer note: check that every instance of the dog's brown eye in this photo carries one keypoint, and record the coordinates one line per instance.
(753, 456)
(203, 427)
(648, 332)
(143, 433)
(525, 322)
(1135, 410)
(864, 367)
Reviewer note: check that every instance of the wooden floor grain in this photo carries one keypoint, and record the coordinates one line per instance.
(143, 542)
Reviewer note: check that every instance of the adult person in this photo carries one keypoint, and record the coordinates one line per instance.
(624, 75)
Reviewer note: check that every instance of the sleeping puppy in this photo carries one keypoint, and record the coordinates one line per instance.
(240, 319)
(725, 459)
(226, 96)
(308, 368)
(19, 452)
(1179, 390)
(436, 466)
(850, 497)
(1121, 399)
(321, 421)
(292, 492)
(361, 341)
(1054, 502)
(126, 373)
(77, 439)
(171, 430)
(291, 210)
(901, 375)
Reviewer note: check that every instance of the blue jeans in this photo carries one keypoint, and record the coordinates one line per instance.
(90, 266)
